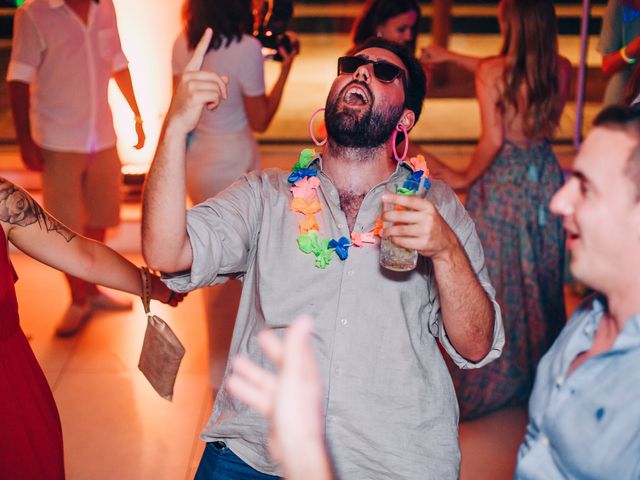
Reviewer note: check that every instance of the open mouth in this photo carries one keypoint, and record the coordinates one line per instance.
(572, 238)
(356, 96)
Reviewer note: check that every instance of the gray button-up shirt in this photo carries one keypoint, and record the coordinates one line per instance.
(391, 409)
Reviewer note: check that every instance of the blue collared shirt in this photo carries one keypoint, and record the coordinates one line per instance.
(586, 426)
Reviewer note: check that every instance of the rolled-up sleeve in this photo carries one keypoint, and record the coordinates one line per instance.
(222, 232)
(26, 49)
(458, 219)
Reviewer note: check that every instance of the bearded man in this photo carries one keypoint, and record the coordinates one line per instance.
(303, 241)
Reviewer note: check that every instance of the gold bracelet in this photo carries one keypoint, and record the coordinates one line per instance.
(137, 119)
(625, 57)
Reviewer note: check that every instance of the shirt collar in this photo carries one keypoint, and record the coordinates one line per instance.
(629, 337)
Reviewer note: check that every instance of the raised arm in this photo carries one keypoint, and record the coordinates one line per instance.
(39, 235)
(491, 122)
(492, 129)
(261, 109)
(435, 54)
(165, 243)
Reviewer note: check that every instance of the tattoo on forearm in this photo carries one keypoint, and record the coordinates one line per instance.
(17, 207)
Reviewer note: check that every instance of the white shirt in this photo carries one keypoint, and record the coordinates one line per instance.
(242, 62)
(68, 64)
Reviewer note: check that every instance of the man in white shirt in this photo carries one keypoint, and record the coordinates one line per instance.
(64, 52)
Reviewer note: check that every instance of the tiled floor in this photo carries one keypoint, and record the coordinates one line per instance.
(114, 424)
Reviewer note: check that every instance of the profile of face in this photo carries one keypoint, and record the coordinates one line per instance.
(361, 110)
(600, 210)
(399, 28)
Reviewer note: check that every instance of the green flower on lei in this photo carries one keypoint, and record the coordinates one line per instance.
(310, 243)
(304, 160)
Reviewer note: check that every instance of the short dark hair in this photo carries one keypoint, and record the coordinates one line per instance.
(626, 119)
(416, 82)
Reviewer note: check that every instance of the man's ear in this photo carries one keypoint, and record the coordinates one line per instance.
(408, 119)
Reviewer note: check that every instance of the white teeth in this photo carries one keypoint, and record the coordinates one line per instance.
(357, 91)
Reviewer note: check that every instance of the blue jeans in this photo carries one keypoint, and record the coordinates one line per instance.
(220, 463)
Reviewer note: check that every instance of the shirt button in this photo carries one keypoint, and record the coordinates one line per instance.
(350, 273)
(340, 226)
(344, 321)
(338, 371)
(545, 441)
(559, 381)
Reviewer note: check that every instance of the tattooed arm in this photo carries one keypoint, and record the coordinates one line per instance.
(34, 231)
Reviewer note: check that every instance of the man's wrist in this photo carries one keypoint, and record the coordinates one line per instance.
(314, 465)
(173, 128)
(449, 254)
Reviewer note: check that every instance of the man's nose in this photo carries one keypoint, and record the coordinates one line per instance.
(362, 73)
(562, 203)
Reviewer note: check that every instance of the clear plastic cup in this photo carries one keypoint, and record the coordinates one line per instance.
(393, 257)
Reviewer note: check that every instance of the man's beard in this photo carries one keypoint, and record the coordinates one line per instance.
(356, 129)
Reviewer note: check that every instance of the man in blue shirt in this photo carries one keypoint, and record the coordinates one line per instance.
(584, 412)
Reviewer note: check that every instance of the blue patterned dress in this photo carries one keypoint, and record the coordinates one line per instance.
(524, 247)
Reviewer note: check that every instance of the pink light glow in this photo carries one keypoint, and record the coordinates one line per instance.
(148, 29)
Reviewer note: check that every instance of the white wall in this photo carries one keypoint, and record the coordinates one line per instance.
(148, 29)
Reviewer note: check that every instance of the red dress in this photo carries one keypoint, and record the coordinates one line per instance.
(30, 430)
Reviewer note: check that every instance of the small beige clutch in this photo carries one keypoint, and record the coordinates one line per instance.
(162, 351)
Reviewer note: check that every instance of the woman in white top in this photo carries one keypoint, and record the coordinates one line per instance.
(222, 146)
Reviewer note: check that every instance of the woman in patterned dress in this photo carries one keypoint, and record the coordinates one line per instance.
(511, 178)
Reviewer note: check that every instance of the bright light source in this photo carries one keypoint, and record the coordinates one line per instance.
(148, 29)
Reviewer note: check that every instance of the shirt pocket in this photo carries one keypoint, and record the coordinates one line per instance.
(107, 43)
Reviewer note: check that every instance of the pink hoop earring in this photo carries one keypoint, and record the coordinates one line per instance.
(400, 128)
(313, 137)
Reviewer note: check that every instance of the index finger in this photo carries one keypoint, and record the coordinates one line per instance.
(198, 53)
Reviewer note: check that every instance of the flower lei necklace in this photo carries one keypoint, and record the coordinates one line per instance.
(305, 201)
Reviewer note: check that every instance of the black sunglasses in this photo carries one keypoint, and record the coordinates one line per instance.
(384, 71)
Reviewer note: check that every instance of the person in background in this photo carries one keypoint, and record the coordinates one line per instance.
(394, 20)
(619, 45)
(584, 409)
(222, 145)
(511, 178)
(31, 434)
(64, 52)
